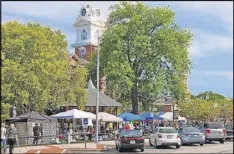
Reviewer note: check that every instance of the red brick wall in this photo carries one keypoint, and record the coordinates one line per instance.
(88, 51)
(167, 108)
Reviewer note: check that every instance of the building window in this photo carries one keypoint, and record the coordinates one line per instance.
(96, 35)
(84, 34)
(82, 53)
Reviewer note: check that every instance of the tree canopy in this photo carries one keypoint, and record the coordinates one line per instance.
(132, 52)
(199, 109)
(35, 70)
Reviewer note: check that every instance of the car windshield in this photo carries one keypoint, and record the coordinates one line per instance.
(228, 127)
(131, 133)
(215, 125)
(191, 129)
(167, 130)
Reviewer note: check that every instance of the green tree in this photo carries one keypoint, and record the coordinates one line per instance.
(5, 111)
(35, 68)
(209, 95)
(129, 49)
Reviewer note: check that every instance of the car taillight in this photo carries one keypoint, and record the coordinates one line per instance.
(123, 139)
(178, 136)
(159, 135)
(224, 131)
(207, 131)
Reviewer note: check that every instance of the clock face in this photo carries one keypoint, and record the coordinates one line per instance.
(83, 12)
(98, 12)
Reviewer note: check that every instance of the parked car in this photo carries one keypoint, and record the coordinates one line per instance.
(131, 139)
(168, 136)
(191, 135)
(229, 131)
(214, 131)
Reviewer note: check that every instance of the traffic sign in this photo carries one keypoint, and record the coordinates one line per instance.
(85, 121)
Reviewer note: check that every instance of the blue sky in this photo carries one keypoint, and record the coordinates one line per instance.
(211, 23)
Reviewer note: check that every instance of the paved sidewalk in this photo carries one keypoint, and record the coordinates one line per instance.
(39, 149)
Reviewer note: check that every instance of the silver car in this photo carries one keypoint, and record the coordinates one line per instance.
(214, 131)
(191, 135)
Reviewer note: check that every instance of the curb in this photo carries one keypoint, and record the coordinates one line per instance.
(64, 150)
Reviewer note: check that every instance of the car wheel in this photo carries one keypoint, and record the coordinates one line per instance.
(142, 149)
(150, 143)
(201, 144)
(177, 146)
(155, 142)
(181, 142)
(120, 149)
(207, 141)
(221, 141)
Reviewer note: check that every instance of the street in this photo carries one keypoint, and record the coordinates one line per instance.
(213, 147)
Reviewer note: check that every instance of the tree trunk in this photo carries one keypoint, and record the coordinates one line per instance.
(134, 99)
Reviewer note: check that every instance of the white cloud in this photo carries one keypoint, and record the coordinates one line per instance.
(209, 43)
(54, 10)
(228, 75)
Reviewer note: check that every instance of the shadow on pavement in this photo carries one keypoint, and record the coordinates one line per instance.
(190, 145)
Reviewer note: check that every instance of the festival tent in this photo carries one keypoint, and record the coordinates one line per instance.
(158, 116)
(182, 118)
(103, 116)
(129, 116)
(167, 116)
(147, 115)
(74, 114)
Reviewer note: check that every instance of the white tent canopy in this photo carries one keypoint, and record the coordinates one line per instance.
(103, 116)
(74, 114)
(167, 116)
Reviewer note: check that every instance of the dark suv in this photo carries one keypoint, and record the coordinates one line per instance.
(214, 131)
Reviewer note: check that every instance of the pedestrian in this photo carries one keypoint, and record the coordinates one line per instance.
(11, 137)
(41, 132)
(3, 137)
(36, 133)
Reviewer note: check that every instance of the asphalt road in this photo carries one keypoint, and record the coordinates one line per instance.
(212, 147)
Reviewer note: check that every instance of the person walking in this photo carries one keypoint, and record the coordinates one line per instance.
(36, 133)
(41, 132)
(11, 137)
(3, 137)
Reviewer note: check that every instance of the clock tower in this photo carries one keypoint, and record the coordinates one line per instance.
(89, 26)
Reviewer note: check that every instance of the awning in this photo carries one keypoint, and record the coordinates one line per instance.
(104, 100)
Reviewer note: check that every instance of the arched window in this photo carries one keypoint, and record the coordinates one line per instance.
(84, 35)
(82, 52)
(96, 35)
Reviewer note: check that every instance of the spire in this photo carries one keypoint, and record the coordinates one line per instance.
(91, 86)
